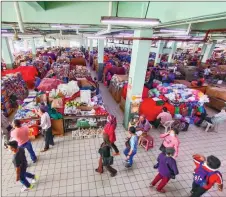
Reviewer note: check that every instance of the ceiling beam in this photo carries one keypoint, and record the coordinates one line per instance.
(38, 6)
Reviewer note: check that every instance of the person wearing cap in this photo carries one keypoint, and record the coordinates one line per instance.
(131, 147)
(206, 174)
(167, 168)
(46, 127)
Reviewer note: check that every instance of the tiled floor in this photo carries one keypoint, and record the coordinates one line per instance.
(67, 169)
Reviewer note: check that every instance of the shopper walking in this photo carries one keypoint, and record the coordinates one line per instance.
(106, 160)
(167, 168)
(6, 128)
(46, 128)
(20, 163)
(109, 129)
(21, 135)
(206, 175)
(131, 147)
(170, 140)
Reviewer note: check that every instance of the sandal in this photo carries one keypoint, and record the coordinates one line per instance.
(161, 191)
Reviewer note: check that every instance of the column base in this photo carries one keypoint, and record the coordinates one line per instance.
(100, 71)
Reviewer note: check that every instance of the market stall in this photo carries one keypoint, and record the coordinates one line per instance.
(116, 86)
(13, 88)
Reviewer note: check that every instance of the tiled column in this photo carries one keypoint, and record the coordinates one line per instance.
(172, 52)
(33, 47)
(100, 59)
(6, 53)
(159, 51)
(203, 49)
(208, 52)
(138, 67)
(90, 45)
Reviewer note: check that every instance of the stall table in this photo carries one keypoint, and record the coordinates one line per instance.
(188, 84)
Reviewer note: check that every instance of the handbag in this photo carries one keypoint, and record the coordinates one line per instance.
(162, 148)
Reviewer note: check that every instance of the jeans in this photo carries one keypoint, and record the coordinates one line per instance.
(29, 148)
(164, 181)
(130, 160)
(23, 180)
(197, 191)
(48, 136)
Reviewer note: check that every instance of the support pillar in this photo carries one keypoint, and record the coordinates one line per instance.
(172, 52)
(138, 67)
(6, 53)
(100, 59)
(33, 47)
(90, 45)
(208, 52)
(203, 49)
(161, 44)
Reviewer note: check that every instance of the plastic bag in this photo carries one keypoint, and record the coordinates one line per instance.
(57, 103)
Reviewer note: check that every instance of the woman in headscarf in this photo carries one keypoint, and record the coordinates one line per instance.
(109, 129)
(106, 160)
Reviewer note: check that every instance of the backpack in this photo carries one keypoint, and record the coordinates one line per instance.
(201, 176)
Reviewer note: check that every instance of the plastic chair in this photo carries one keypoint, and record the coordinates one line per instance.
(213, 127)
(147, 142)
(167, 125)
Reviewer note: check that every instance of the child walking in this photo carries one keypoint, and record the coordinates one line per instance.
(20, 163)
(206, 175)
(167, 168)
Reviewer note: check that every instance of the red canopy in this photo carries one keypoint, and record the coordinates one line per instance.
(149, 108)
(28, 72)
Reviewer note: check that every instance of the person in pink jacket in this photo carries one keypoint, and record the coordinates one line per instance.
(170, 140)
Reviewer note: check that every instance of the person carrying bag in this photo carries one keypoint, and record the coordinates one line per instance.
(106, 159)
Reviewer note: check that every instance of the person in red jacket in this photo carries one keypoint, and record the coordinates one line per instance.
(206, 175)
(109, 129)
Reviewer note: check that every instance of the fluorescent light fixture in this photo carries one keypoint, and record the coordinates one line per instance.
(173, 31)
(69, 26)
(109, 20)
(96, 37)
(4, 30)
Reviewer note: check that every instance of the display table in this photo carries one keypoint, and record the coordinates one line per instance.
(71, 120)
(188, 84)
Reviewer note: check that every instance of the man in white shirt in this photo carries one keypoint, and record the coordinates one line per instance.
(46, 128)
(207, 71)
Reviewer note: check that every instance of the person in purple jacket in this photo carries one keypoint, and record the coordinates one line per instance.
(167, 168)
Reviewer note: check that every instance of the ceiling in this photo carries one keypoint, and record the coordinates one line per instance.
(39, 17)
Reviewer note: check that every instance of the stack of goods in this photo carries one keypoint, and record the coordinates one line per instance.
(60, 72)
(23, 57)
(87, 133)
(116, 85)
(63, 59)
(79, 72)
(40, 67)
(26, 111)
(47, 84)
(12, 86)
(28, 74)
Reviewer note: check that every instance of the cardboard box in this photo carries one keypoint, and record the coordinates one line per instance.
(57, 127)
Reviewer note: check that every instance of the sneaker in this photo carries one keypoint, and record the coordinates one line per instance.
(128, 165)
(23, 189)
(34, 161)
(35, 179)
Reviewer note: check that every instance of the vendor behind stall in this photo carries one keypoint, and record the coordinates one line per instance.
(163, 117)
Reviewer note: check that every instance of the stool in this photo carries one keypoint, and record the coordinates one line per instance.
(147, 142)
